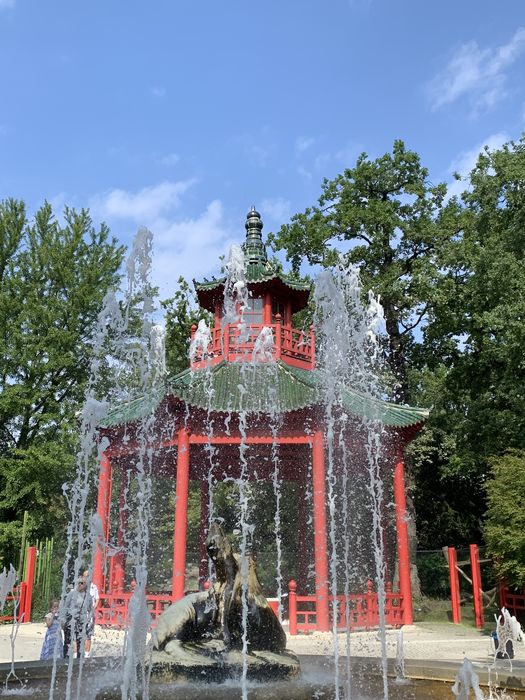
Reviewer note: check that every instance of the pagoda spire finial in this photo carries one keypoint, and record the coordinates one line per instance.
(254, 248)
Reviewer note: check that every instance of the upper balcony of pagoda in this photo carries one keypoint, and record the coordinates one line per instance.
(273, 298)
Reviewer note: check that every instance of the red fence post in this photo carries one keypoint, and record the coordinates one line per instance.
(476, 585)
(22, 588)
(454, 585)
(369, 604)
(292, 607)
(312, 346)
(502, 593)
(30, 576)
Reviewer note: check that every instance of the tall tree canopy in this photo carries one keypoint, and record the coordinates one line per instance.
(455, 271)
(53, 278)
(471, 366)
(382, 215)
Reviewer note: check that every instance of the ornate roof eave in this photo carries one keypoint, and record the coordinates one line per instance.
(279, 385)
(210, 292)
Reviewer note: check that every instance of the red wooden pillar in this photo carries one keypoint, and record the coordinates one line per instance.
(320, 541)
(292, 607)
(267, 310)
(203, 533)
(476, 586)
(30, 580)
(278, 330)
(119, 560)
(181, 514)
(403, 556)
(312, 345)
(103, 500)
(304, 541)
(454, 585)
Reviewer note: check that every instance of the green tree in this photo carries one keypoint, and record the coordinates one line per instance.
(471, 364)
(53, 278)
(382, 215)
(505, 523)
(182, 312)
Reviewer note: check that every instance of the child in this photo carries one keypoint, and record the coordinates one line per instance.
(53, 631)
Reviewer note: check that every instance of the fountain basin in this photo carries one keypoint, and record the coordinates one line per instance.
(427, 680)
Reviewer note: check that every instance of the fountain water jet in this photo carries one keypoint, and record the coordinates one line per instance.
(256, 387)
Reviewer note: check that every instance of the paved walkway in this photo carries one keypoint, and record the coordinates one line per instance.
(433, 641)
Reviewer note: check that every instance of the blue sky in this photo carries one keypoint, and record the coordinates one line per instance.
(180, 115)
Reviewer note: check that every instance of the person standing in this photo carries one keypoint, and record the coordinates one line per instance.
(53, 631)
(95, 598)
(77, 616)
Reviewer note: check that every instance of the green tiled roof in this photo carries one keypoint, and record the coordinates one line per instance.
(254, 387)
(139, 408)
(257, 272)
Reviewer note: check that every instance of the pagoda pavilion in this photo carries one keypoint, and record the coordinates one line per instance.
(226, 398)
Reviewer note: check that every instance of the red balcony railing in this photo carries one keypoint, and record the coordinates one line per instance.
(355, 611)
(238, 343)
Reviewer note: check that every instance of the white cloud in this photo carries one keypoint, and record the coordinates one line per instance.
(466, 160)
(302, 144)
(145, 205)
(476, 72)
(58, 202)
(257, 147)
(278, 210)
(158, 91)
(303, 172)
(170, 159)
(258, 153)
(183, 245)
(190, 246)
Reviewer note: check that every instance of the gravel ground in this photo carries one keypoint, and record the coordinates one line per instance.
(434, 641)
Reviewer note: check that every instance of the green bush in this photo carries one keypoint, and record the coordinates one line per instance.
(505, 521)
(433, 575)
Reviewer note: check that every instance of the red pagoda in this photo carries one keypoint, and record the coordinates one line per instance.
(219, 391)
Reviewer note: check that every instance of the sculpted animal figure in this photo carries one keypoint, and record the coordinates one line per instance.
(217, 614)
(264, 630)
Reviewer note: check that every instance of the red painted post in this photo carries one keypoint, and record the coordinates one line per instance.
(203, 531)
(369, 604)
(502, 593)
(312, 346)
(292, 607)
(278, 336)
(117, 575)
(181, 514)
(22, 589)
(226, 338)
(102, 512)
(30, 579)
(476, 586)
(403, 555)
(454, 585)
(304, 534)
(267, 311)
(320, 543)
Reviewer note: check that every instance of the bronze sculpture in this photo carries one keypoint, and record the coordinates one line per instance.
(207, 627)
